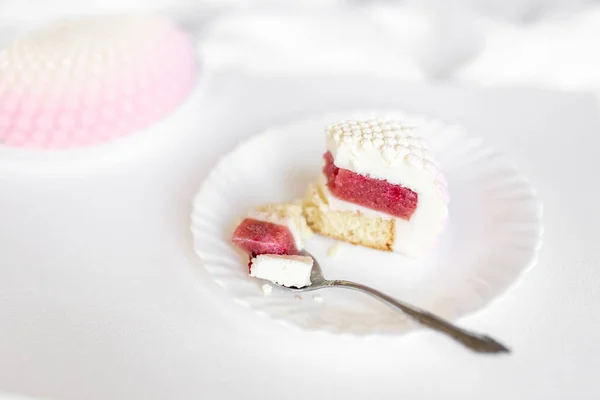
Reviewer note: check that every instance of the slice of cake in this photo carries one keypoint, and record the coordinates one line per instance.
(379, 188)
(273, 236)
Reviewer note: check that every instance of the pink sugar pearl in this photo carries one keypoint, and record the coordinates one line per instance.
(82, 83)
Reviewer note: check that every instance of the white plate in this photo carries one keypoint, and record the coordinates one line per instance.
(492, 236)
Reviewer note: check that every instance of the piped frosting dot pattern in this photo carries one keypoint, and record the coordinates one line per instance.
(85, 82)
(397, 142)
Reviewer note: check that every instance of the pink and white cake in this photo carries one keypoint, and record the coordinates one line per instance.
(273, 236)
(380, 187)
(85, 82)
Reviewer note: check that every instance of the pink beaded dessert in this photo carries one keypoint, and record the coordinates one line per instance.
(82, 83)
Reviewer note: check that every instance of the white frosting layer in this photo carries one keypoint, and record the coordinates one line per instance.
(283, 270)
(289, 215)
(394, 151)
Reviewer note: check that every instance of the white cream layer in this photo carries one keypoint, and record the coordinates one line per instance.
(282, 269)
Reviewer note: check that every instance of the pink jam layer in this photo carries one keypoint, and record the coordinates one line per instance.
(377, 194)
(256, 237)
(50, 103)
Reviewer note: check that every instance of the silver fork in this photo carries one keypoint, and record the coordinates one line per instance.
(474, 341)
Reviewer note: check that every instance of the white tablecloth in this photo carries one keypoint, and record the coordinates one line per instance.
(115, 304)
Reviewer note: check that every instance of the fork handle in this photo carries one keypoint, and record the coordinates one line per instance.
(474, 341)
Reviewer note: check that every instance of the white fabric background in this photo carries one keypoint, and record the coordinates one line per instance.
(551, 43)
(556, 51)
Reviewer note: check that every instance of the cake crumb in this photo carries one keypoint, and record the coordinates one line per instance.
(317, 298)
(334, 249)
(267, 289)
(298, 297)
